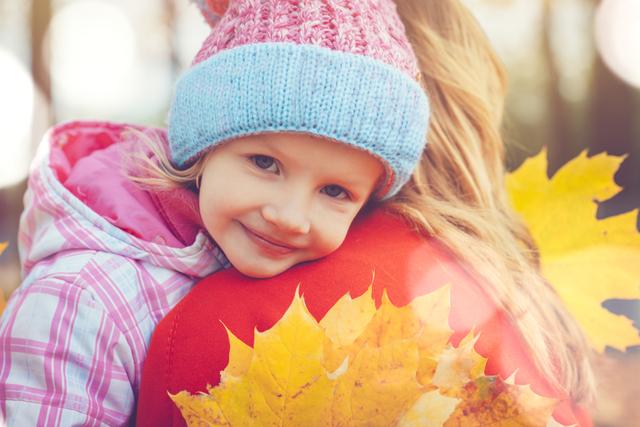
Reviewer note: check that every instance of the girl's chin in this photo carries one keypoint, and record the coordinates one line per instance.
(261, 273)
(263, 269)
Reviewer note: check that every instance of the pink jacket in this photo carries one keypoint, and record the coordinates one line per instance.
(102, 261)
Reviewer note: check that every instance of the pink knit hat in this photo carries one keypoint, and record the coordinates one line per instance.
(341, 69)
(364, 27)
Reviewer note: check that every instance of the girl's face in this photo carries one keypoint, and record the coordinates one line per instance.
(274, 200)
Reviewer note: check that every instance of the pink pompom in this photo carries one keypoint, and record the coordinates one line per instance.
(212, 10)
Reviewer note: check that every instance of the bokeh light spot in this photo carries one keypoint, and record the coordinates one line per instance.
(16, 114)
(92, 56)
(618, 37)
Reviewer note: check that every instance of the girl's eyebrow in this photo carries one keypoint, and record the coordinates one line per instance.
(253, 142)
(273, 148)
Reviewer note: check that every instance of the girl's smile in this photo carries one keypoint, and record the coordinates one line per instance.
(272, 201)
(268, 244)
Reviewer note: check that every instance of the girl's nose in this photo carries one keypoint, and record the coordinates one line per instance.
(291, 216)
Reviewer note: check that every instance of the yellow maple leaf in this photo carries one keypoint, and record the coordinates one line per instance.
(240, 355)
(285, 379)
(457, 366)
(199, 410)
(304, 372)
(378, 360)
(433, 312)
(348, 318)
(491, 401)
(587, 260)
(432, 409)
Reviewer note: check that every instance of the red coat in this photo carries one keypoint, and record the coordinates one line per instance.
(190, 346)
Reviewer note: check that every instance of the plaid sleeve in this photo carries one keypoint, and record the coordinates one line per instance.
(63, 359)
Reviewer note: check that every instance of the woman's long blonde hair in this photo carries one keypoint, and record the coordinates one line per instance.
(457, 194)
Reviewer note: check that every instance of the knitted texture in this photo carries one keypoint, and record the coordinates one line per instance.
(364, 27)
(339, 69)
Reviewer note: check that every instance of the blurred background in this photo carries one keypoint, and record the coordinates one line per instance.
(574, 69)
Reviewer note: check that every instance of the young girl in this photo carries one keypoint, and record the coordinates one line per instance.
(293, 116)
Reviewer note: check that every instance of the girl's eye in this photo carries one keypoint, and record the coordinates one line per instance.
(335, 191)
(265, 162)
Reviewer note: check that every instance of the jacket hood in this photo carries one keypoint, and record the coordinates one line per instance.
(79, 199)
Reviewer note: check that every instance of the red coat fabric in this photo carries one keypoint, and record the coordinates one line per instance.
(190, 347)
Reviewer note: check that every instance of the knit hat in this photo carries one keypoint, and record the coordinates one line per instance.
(339, 69)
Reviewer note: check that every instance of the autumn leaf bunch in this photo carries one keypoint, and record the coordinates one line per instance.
(362, 365)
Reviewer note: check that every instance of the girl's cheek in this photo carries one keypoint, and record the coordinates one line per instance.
(339, 214)
(331, 229)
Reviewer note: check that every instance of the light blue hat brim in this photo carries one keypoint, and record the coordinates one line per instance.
(275, 87)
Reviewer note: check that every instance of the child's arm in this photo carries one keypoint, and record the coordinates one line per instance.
(64, 359)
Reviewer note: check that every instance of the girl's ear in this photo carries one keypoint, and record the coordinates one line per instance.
(212, 10)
